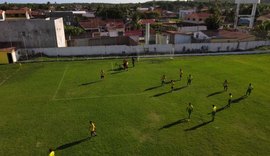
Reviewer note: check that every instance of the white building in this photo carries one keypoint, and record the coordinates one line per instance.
(184, 13)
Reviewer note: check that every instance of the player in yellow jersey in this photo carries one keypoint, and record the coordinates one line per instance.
(181, 74)
(172, 85)
(51, 152)
(189, 110)
(163, 79)
(230, 100)
(92, 128)
(102, 74)
(214, 110)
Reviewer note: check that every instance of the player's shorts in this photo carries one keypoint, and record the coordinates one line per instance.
(102, 76)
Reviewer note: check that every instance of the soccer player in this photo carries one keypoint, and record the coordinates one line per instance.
(214, 110)
(181, 73)
(92, 129)
(163, 79)
(133, 61)
(225, 85)
(189, 110)
(51, 152)
(250, 88)
(230, 100)
(125, 64)
(172, 85)
(102, 74)
(189, 79)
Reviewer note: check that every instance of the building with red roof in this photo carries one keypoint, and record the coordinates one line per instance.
(146, 21)
(197, 18)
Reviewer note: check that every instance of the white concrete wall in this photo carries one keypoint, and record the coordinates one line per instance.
(146, 49)
(179, 39)
(60, 32)
(192, 28)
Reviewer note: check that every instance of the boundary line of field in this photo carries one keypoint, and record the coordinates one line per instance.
(1, 83)
(94, 97)
(60, 83)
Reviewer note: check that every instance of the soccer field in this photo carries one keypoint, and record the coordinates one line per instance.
(49, 105)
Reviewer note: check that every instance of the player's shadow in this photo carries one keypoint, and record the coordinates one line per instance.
(160, 94)
(118, 72)
(215, 93)
(239, 99)
(176, 89)
(151, 88)
(184, 120)
(198, 126)
(62, 147)
(89, 83)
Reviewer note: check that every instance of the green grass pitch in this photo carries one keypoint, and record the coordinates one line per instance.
(49, 105)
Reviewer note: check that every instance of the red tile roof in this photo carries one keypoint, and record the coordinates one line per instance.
(92, 23)
(7, 49)
(226, 34)
(145, 21)
(16, 11)
(202, 15)
(115, 24)
(134, 33)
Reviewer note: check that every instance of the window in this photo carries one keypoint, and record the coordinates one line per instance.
(188, 18)
(200, 19)
(193, 19)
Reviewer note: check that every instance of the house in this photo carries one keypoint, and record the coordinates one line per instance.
(35, 33)
(8, 55)
(93, 25)
(197, 18)
(223, 36)
(115, 28)
(17, 14)
(184, 13)
(99, 27)
(176, 37)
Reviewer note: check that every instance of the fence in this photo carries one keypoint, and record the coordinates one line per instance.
(140, 50)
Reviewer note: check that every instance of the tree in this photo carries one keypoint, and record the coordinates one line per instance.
(74, 31)
(263, 30)
(213, 22)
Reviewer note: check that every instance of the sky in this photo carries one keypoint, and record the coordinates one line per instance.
(72, 1)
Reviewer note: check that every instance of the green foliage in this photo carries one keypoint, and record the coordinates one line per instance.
(74, 31)
(113, 12)
(263, 30)
(213, 22)
(150, 15)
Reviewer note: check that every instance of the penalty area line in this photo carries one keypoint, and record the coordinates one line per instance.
(1, 83)
(94, 97)
(60, 83)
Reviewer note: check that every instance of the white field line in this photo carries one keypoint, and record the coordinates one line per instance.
(1, 83)
(60, 83)
(93, 97)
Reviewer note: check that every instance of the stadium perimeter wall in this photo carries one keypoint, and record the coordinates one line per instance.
(144, 49)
